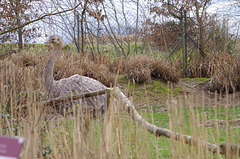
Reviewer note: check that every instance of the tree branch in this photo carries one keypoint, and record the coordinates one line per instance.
(224, 148)
(74, 97)
(37, 19)
(173, 14)
(221, 149)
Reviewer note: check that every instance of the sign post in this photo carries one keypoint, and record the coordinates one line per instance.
(10, 147)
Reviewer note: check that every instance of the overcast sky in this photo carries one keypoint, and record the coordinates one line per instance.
(226, 9)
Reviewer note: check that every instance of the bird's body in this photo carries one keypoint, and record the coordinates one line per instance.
(77, 84)
(73, 85)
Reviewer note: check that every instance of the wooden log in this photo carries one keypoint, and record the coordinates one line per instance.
(74, 97)
(221, 149)
(234, 149)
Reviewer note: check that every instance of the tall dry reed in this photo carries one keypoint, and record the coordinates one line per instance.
(50, 135)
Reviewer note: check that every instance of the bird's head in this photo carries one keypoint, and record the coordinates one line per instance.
(56, 41)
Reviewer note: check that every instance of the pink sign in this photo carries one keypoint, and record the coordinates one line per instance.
(10, 147)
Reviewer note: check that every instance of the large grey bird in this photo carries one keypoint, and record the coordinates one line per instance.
(75, 84)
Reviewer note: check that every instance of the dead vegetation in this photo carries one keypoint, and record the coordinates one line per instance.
(21, 86)
(102, 68)
(226, 74)
(222, 69)
(142, 68)
(139, 69)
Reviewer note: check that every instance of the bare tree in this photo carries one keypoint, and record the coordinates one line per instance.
(13, 15)
(121, 24)
(74, 24)
(200, 11)
(12, 28)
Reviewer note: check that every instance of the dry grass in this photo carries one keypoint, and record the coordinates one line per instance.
(52, 136)
(223, 69)
(166, 71)
(142, 68)
(139, 69)
(119, 65)
(67, 65)
(200, 68)
(225, 74)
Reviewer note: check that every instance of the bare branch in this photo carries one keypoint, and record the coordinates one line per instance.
(235, 149)
(37, 19)
(74, 97)
(157, 131)
(173, 14)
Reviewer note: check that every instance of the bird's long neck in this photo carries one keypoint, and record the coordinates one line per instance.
(48, 71)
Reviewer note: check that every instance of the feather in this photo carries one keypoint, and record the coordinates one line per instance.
(75, 84)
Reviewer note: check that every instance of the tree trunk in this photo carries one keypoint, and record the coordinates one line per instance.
(136, 32)
(82, 20)
(20, 37)
(98, 34)
(78, 33)
(199, 22)
(18, 16)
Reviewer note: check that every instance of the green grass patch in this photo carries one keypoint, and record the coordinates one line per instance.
(196, 80)
(154, 92)
(185, 125)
